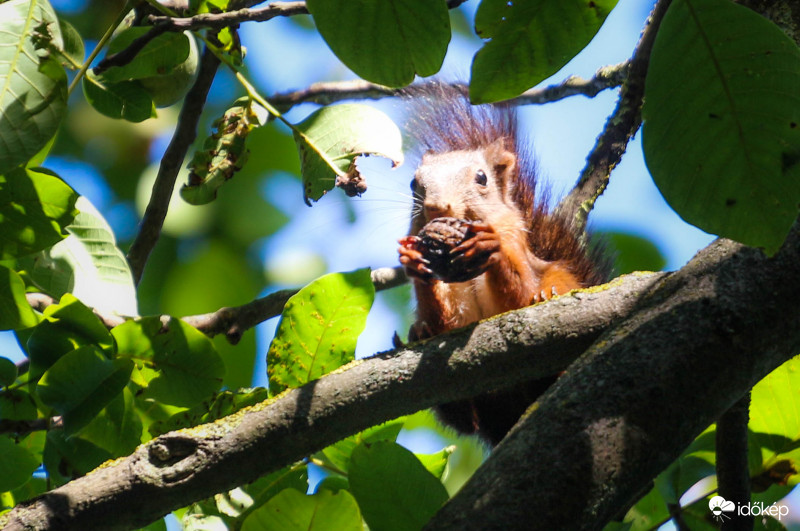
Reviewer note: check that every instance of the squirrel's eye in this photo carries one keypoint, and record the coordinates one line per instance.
(413, 185)
(480, 177)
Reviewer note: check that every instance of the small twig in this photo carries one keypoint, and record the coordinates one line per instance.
(619, 128)
(20, 428)
(231, 18)
(733, 472)
(182, 138)
(127, 55)
(605, 78)
(40, 301)
(234, 18)
(235, 321)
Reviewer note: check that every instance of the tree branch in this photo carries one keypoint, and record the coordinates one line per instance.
(235, 321)
(185, 133)
(627, 408)
(733, 471)
(619, 129)
(181, 467)
(684, 340)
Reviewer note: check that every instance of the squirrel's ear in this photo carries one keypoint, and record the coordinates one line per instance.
(500, 158)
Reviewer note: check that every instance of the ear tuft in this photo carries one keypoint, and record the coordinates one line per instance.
(501, 159)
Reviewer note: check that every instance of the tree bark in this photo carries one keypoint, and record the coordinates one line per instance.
(627, 408)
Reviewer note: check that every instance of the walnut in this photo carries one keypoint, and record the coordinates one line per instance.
(437, 239)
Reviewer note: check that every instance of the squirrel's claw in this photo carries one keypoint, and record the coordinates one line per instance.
(412, 260)
(474, 256)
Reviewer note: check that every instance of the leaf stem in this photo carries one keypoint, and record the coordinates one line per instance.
(100, 45)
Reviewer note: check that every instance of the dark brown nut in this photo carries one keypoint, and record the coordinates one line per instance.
(437, 239)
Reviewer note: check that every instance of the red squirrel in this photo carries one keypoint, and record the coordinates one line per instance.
(515, 253)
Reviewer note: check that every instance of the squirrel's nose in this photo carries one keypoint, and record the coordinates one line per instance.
(437, 210)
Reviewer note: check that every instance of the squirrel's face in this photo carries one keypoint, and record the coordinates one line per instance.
(473, 185)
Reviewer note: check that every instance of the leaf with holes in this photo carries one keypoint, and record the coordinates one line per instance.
(721, 116)
(319, 328)
(330, 139)
(33, 85)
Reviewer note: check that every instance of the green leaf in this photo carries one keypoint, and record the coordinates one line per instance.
(67, 326)
(35, 207)
(227, 280)
(33, 86)
(407, 501)
(224, 404)
(721, 130)
(436, 463)
(319, 328)
(117, 428)
(81, 383)
(15, 312)
(385, 42)
(17, 464)
(179, 364)
(127, 99)
(530, 41)
(291, 510)
(158, 57)
(265, 488)
(775, 424)
(67, 457)
(338, 454)
(17, 404)
(88, 264)
(8, 374)
(634, 253)
(335, 136)
(74, 50)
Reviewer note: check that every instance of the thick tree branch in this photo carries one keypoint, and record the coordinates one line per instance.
(619, 128)
(180, 467)
(185, 133)
(626, 409)
(678, 350)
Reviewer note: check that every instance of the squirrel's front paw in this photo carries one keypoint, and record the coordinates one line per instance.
(474, 255)
(415, 265)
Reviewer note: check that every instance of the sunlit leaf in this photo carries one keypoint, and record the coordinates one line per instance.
(291, 510)
(88, 264)
(407, 501)
(319, 328)
(336, 135)
(33, 85)
(179, 364)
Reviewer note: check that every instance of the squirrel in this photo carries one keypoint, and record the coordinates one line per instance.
(515, 252)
